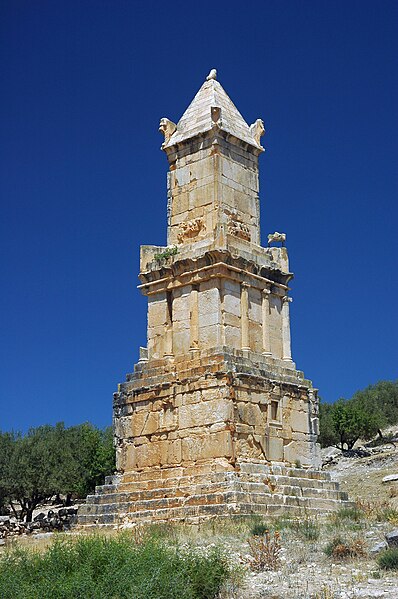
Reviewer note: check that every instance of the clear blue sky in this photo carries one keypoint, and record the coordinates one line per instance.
(83, 181)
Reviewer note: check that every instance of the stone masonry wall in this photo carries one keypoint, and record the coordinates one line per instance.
(215, 415)
(211, 185)
(208, 315)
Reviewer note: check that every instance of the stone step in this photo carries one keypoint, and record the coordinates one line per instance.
(211, 469)
(281, 480)
(204, 490)
(225, 498)
(259, 468)
(206, 469)
(189, 489)
(274, 479)
(203, 512)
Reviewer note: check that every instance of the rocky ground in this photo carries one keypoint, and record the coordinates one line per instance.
(304, 570)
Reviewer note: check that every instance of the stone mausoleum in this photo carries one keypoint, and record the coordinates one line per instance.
(215, 419)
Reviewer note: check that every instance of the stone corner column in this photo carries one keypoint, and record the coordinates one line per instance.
(244, 316)
(266, 293)
(143, 355)
(194, 321)
(286, 340)
(168, 342)
(168, 351)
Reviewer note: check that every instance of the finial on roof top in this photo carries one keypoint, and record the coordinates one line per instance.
(212, 75)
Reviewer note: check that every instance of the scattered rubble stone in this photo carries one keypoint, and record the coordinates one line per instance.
(378, 548)
(357, 453)
(43, 535)
(40, 516)
(53, 521)
(390, 478)
(392, 538)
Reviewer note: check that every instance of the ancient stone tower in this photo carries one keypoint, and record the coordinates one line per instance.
(215, 419)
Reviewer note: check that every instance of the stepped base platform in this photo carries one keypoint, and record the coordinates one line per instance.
(195, 494)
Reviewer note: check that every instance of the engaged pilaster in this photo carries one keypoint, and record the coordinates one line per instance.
(222, 311)
(194, 320)
(244, 318)
(168, 338)
(286, 341)
(265, 324)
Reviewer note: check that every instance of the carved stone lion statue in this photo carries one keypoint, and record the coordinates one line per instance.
(257, 130)
(276, 237)
(167, 127)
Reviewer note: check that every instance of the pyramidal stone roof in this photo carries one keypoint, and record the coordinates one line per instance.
(197, 117)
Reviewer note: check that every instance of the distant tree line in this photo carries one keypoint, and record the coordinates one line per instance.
(361, 417)
(52, 461)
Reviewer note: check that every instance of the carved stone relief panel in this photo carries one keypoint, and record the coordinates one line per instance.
(236, 227)
(191, 229)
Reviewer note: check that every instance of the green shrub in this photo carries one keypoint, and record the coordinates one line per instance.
(283, 522)
(387, 514)
(376, 574)
(259, 529)
(388, 559)
(309, 529)
(168, 252)
(353, 514)
(101, 568)
(340, 548)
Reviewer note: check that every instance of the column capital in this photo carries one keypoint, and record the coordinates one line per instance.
(245, 285)
(266, 291)
(287, 299)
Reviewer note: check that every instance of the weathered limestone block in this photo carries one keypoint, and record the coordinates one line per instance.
(232, 336)
(142, 456)
(168, 418)
(181, 341)
(255, 306)
(157, 310)
(181, 304)
(232, 299)
(248, 448)
(207, 446)
(299, 421)
(205, 413)
(251, 414)
(170, 452)
(255, 337)
(209, 298)
(275, 449)
(209, 336)
(144, 423)
(182, 176)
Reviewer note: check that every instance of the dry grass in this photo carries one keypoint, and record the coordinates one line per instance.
(265, 551)
(341, 549)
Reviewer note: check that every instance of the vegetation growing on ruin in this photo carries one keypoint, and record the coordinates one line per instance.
(168, 252)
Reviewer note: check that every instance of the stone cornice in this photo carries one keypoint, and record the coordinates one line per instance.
(213, 263)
